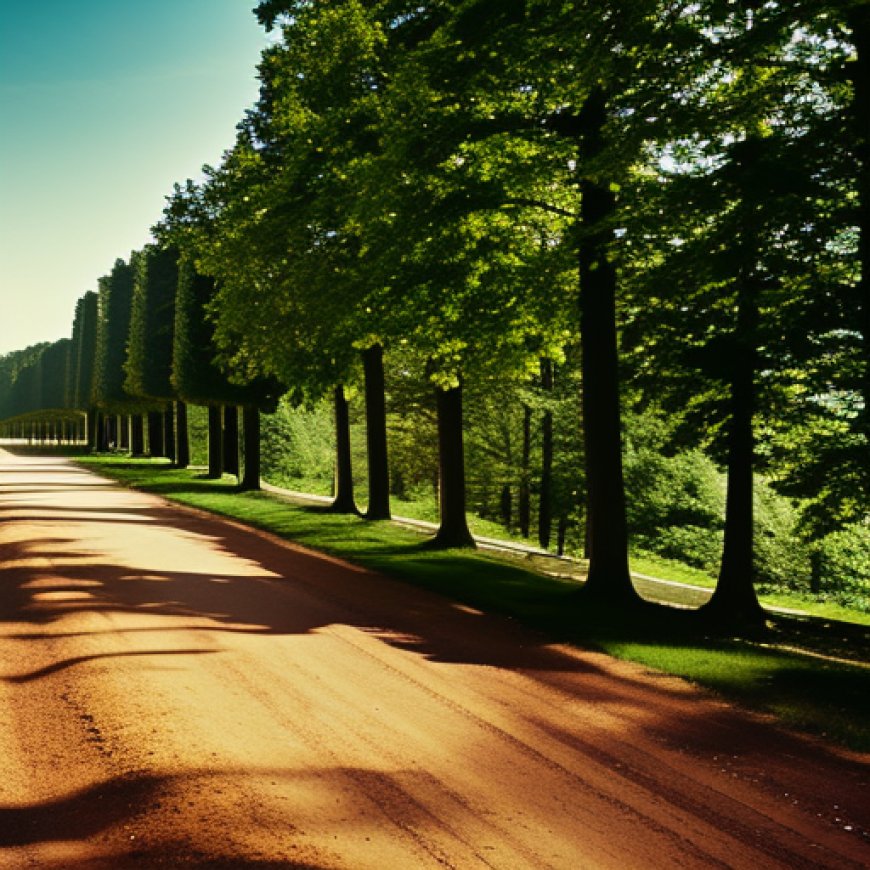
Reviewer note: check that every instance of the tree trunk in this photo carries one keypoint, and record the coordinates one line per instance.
(505, 505)
(102, 440)
(215, 443)
(155, 434)
(545, 506)
(169, 432)
(137, 435)
(524, 506)
(376, 434)
(182, 436)
(343, 503)
(251, 432)
(608, 578)
(91, 431)
(231, 439)
(111, 431)
(124, 432)
(453, 529)
(734, 601)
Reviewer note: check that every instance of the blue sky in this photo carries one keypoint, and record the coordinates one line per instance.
(104, 104)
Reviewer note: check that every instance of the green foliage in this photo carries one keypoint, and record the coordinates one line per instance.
(782, 557)
(113, 328)
(845, 565)
(84, 339)
(17, 370)
(197, 429)
(54, 366)
(195, 373)
(299, 445)
(148, 365)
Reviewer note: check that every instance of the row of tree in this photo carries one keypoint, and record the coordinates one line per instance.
(679, 192)
(140, 350)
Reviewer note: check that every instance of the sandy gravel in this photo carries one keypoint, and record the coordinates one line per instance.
(177, 691)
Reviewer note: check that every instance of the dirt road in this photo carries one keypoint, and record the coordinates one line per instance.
(177, 691)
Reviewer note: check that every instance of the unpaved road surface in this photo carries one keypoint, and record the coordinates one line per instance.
(177, 691)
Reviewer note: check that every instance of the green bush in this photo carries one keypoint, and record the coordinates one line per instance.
(299, 444)
(675, 505)
(782, 558)
(845, 566)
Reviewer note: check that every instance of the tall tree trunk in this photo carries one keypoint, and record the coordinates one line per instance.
(453, 528)
(91, 430)
(251, 432)
(859, 22)
(231, 439)
(155, 434)
(137, 435)
(524, 506)
(343, 502)
(505, 505)
(124, 432)
(182, 438)
(169, 432)
(215, 443)
(102, 440)
(376, 434)
(734, 600)
(545, 505)
(609, 578)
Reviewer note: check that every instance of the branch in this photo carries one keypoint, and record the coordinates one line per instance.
(544, 206)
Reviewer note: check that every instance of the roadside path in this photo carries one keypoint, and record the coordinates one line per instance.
(651, 588)
(178, 691)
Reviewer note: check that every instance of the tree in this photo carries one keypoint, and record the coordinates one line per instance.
(84, 338)
(198, 379)
(113, 327)
(732, 234)
(148, 366)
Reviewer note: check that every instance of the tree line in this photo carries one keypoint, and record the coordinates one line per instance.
(670, 198)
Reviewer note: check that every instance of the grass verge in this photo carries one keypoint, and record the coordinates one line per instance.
(818, 693)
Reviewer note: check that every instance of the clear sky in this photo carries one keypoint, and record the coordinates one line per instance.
(104, 104)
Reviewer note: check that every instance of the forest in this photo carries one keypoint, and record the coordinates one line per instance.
(593, 271)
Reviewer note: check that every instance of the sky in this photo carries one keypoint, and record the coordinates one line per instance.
(104, 105)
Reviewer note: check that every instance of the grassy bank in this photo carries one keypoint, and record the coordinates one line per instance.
(810, 689)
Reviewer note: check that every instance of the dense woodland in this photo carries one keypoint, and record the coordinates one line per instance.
(595, 270)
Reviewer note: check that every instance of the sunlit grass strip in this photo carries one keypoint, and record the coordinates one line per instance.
(824, 697)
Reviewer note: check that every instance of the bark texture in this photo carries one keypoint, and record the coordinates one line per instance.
(608, 577)
(231, 439)
(343, 502)
(453, 528)
(376, 434)
(182, 437)
(215, 443)
(251, 433)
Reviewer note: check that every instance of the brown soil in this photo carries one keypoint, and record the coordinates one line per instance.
(179, 691)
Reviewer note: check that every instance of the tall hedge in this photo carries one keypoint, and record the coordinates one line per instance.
(113, 328)
(152, 324)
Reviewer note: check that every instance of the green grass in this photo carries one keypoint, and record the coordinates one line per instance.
(819, 695)
(669, 569)
(423, 506)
